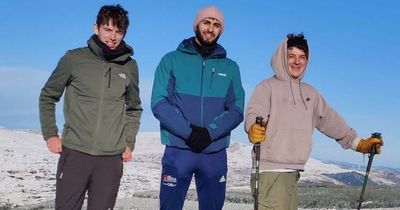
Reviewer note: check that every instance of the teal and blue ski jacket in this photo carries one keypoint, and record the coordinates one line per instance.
(203, 91)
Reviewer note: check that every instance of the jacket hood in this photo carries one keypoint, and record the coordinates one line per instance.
(99, 52)
(279, 63)
(187, 46)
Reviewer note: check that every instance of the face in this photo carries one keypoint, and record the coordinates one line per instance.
(109, 34)
(297, 62)
(209, 29)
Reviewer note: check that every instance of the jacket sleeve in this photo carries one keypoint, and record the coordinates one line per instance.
(258, 105)
(330, 123)
(228, 120)
(133, 107)
(171, 117)
(51, 94)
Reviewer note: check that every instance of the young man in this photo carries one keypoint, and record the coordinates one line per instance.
(292, 109)
(198, 99)
(102, 114)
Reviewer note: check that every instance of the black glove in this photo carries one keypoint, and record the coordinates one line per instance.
(199, 139)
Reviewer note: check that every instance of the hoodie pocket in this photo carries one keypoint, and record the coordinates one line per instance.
(289, 146)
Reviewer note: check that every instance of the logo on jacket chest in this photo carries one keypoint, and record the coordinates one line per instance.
(122, 75)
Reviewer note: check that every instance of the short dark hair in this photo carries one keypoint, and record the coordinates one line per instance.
(298, 41)
(116, 13)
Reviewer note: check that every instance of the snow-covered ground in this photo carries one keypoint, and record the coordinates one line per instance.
(27, 168)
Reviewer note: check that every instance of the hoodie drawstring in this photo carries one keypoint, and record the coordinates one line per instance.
(291, 89)
(301, 95)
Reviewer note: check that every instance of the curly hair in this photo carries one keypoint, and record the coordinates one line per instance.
(116, 13)
(298, 41)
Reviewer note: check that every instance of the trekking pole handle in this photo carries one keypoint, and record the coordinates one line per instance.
(259, 120)
(378, 136)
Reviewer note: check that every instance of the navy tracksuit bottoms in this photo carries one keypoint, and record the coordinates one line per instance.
(178, 167)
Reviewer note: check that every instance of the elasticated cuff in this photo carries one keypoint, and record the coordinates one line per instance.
(355, 143)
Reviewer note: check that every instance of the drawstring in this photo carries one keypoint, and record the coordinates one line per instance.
(109, 76)
(301, 95)
(291, 88)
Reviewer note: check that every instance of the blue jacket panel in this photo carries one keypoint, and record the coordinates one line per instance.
(206, 92)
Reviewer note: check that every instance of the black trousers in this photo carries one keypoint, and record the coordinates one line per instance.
(78, 173)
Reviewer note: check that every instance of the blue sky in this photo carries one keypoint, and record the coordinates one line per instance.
(353, 61)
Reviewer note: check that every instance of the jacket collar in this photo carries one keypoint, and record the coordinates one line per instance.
(187, 46)
(99, 52)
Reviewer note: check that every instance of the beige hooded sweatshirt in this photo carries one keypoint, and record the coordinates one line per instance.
(292, 110)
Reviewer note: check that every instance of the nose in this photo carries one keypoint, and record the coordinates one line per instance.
(210, 28)
(297, 61)
(113, 35)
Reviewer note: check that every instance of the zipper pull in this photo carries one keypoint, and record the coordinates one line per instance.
(109, 76)
(212, 76)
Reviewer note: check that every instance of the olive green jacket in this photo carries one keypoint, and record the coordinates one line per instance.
(102, 108)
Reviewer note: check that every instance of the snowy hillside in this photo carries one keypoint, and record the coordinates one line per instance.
(27, 168)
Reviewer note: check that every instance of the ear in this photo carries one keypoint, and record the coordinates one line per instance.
(96, 29)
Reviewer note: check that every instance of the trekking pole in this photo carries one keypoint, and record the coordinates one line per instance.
(257, 174)
(370, 159)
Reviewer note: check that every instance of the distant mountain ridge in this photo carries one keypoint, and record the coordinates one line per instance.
(388, 173)
(27, 169)
(322, 172)
(358, 167)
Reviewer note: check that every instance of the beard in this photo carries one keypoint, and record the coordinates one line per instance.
(203, 42)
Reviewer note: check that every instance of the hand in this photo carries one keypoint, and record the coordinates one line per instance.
(257, 133)
(199, 139)
(127, 155)
(54, 144)
(364, 146)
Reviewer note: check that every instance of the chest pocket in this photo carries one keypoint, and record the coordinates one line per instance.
(116, 81)
(218, 82)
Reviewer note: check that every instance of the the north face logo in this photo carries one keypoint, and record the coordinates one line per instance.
(122, 75)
